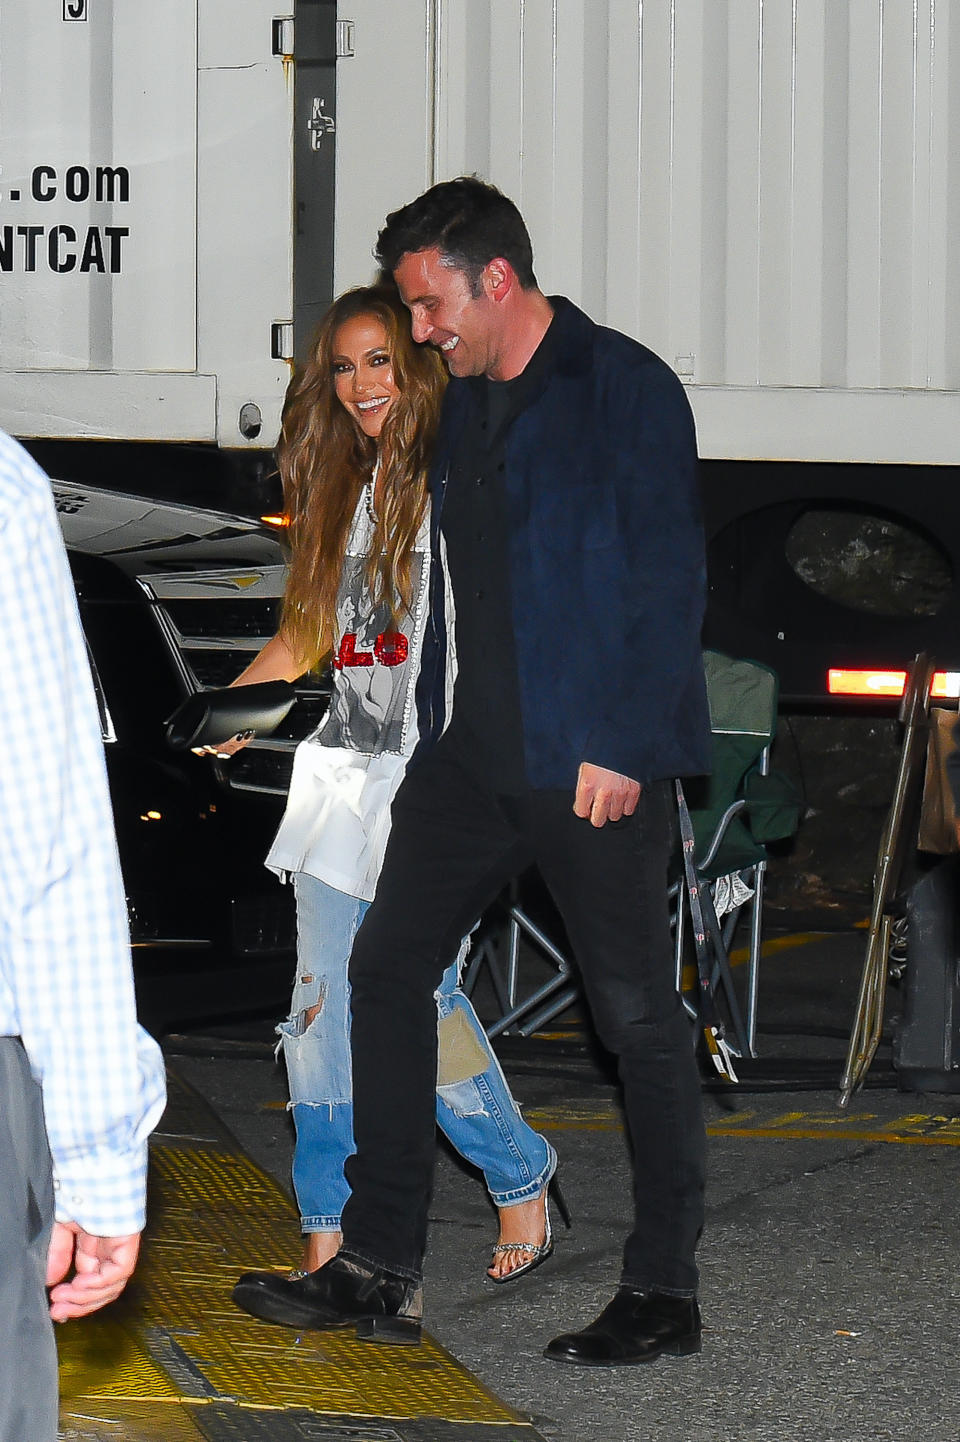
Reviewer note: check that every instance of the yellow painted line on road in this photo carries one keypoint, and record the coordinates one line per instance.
(918, 1129)
(777, 944)
(924, 1129)
(773, 947)
(586, 1118)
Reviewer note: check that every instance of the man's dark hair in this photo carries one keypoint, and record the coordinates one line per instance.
(469, 222)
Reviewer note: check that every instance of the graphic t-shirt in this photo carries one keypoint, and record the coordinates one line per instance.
(372, 702)
(346, 774)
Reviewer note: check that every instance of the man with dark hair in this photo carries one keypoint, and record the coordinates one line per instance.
(565, 512)
(468, 222)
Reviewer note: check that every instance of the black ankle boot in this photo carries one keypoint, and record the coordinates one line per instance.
(635, 1327)
(347, 1291)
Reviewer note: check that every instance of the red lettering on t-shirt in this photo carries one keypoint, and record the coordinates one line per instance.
(391, 648)
(348, 655)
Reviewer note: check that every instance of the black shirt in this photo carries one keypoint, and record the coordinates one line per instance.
(486, 730)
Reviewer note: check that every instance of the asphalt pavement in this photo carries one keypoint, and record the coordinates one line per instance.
(829, 1279)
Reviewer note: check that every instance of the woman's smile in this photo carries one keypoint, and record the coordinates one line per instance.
(363, 372)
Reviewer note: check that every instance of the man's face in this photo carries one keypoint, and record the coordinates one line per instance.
(443, 312)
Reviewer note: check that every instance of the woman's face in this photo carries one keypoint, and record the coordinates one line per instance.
(363, 372)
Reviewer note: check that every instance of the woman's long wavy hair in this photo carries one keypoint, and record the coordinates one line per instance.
(324, 460)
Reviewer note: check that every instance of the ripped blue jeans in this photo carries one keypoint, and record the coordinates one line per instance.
(475, 1108)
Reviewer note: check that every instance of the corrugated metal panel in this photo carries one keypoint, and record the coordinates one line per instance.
(98, 189)
(145, 220)
(385, 125)
(244, 235)
(733, 178)
(764, 191)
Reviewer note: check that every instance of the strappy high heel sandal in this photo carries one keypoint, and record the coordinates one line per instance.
(537, 1253)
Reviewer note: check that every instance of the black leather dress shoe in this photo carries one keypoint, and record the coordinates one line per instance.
(635, 1327)
(345, 1292)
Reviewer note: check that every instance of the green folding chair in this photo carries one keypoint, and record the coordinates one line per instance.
(733, 814)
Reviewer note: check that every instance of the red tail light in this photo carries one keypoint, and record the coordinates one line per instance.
(841, 682)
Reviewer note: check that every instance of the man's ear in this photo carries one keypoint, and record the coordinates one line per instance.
(499, 278)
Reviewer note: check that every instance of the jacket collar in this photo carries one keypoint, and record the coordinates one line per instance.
(574, 334)
(574, 337)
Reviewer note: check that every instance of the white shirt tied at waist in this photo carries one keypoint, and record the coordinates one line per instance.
(66, 986)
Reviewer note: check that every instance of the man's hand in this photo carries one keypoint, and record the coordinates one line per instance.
(103, 1266)
(604, 795)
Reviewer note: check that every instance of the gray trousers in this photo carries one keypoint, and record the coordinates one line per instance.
(28, 1354)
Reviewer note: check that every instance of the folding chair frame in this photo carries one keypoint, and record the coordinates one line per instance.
(756, 874)
(543, 1004)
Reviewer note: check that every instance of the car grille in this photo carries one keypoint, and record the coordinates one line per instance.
(223, 618)
(217, 668)
(261, 766)
(215, 622)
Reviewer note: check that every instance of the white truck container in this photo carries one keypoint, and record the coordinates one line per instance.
(766, 193)
(763, 191)
(147, 235)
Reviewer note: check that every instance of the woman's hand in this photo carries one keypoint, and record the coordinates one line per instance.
(226, 749)
(275, 662)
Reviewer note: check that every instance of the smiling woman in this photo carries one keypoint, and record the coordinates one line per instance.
(363, 372)
(379, 415)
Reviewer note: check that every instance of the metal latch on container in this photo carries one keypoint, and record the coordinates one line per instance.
(319, 124)
(344, 39)
(283, 35)
(281, 340)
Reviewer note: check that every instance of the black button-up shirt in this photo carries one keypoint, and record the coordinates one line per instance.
(487, 728)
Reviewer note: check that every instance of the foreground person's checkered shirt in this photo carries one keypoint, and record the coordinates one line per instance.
(65, 981)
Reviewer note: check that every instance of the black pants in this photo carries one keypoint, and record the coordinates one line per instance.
(452, 847)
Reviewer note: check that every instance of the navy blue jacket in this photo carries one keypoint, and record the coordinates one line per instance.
(607, 566)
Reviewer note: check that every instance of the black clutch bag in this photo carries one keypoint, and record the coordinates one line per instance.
(209, 718)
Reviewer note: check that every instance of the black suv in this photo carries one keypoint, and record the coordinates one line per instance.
(173, 599)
